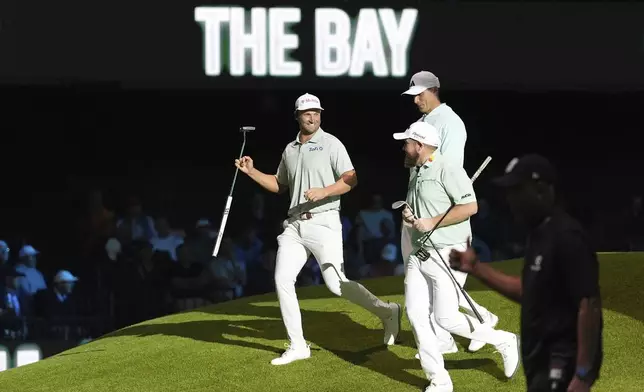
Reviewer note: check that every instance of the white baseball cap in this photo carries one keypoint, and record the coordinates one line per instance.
(307, 101)
(65, 276)
(421, 132)
(421, 81)
(27, 250)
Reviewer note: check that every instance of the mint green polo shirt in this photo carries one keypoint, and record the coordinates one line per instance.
(432, 189)
(318, 163)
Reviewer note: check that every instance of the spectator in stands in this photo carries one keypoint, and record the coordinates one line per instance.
(10, 305)
(166, 240)
(371, 222)
(136, 225)
(58, 302)
(387, 265)
(97, 225)
(346, 227)
(33, 280)
(4, 252)
(229, 274)
(353, 255)
(203, 242)
(310, 275)
(191, 284)
(261, 276)
(249, 249)
(152, 279)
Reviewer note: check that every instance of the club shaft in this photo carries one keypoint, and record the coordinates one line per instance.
(467, 297)
(229, 200)
(241, 154)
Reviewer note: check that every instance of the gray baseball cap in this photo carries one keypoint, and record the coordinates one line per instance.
(421, 81)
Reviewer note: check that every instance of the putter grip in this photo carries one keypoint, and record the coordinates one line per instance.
(222, 226)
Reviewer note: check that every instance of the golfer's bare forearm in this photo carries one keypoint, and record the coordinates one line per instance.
(507, 285)
(267, 181)
(347, 181)
(458, 214)
(588, 327)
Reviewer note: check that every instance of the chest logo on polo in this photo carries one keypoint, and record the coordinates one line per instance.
(318, 148)
(536, 266)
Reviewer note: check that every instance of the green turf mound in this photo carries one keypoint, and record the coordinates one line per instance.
(228, 347)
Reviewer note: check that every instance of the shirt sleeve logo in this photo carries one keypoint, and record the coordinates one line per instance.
(536, 266)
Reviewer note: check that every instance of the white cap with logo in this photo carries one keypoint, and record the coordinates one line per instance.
(65, 276)
(421, 132)
(307, 102)
(422, 81)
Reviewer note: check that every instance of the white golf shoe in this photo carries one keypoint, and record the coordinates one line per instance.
(292, 354)
(509, 350)
(445, 348)
(392, 325)
(492, 321)
(443, 387)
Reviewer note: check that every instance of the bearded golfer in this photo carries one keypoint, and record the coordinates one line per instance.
(561, 313)
(317, 170)
(436, 183)
(424, 87)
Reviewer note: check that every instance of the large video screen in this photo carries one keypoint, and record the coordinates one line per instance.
(329, 44)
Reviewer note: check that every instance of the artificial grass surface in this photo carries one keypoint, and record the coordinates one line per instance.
(228, 347)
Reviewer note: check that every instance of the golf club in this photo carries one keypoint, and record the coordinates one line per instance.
(224, 218)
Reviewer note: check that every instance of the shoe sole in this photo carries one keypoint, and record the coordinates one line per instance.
(518, 356)
(295, 360)
(399, 307)
(493, 326)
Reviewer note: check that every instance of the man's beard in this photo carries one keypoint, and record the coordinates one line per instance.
(410, 161)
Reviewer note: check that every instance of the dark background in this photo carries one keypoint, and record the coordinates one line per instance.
(536, 45)
(114, 97)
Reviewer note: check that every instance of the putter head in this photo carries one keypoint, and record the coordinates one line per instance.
(398, 204)
(247, 128)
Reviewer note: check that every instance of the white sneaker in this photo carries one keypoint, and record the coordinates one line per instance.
(509, 350)
(449, 348)
(392, 325)
(292, 354)
(443, 387)
(492, 321)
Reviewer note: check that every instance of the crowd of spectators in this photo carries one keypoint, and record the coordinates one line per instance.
(137, 266)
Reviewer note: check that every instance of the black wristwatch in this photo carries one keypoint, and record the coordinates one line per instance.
(582, 373)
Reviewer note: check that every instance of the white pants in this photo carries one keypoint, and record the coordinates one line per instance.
(443, 336)
(428, 285)
(322, 236)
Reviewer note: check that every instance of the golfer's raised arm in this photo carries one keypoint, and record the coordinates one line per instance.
(275, 183)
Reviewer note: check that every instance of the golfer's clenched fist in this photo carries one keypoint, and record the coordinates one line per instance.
(408, 216)
(245, 164)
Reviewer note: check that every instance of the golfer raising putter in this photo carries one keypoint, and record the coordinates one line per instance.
(424, 86)
(436, 183)
(317, 170)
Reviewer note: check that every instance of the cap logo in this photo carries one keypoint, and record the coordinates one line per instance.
(418, 135)
(412, 84)
(511, 165)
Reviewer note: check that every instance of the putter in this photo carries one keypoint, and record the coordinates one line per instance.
(224, 218)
